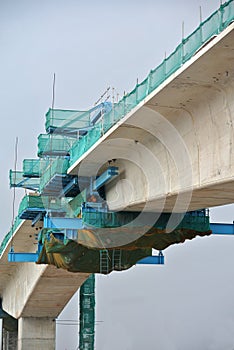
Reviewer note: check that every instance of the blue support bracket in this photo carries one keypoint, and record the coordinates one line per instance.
(67, 226)
(38, 218)
(152, 260)
(111, 172)
(22, 257)
(70, 185)
(63, 223)
(222, 229)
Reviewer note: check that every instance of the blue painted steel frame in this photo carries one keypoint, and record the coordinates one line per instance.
(63, 223)
(22, 257)
(105, 177)
(152, 260)
(222, 229)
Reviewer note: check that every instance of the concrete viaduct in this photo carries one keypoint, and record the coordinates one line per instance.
(174, 151)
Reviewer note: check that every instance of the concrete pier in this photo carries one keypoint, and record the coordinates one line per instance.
(36, 333)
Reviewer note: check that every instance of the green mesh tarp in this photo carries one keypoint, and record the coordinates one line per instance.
(17, 179)
(58, 166)
(118, 229)
(84, 143)
(54, 144)
(226, 14)
(197, 220)
(9, 235)
(66, 119)
(34, 167)
(77, 258)
(153, 238)
(87, 314)
(39, 202)
(84, 254)
(212, 26)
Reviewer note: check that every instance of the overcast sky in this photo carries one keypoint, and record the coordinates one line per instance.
(90, 45)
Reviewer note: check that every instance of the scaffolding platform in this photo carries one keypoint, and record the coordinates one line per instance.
(34, 207)
(17, 179)
(61, 185)
(54, 145)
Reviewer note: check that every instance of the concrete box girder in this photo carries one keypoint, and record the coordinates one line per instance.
(190, 150)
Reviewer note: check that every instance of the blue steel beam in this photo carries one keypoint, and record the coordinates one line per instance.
(152, 260)
(33, 257)
(22, 257)
(68, 187)
(63, 223)
(105, 177)
(222, 229)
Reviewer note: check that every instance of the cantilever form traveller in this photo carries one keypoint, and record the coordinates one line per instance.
(70, 217)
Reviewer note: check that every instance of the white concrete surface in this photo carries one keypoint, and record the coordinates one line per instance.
(31, 290)
(175, 149)
(36, 333)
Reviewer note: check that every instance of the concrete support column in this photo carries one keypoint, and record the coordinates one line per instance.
(36, 333)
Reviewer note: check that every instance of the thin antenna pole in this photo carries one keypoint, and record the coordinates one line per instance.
(200, 10)
(53, 93)
(182, 30)
(113, 95)
(13, 201)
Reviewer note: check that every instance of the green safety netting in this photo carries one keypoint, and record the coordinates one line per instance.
(212, 26)
(17, 179)
(58, 166)
(54, 145)
(9, 235)
(67, 120)
(75, 257)
(72, 122)
(109, 229)
(84, 143)
(35, 167)
(85, 253)
(197, 220)
(87, 314)
(30, 202)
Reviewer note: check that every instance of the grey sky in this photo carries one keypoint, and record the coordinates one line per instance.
(187, 304)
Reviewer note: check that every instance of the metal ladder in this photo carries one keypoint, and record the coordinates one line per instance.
(116, 259)
(104, 261)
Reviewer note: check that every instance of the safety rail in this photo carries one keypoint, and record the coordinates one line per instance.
(71, 122)
(54, 145)
(34, 167)
(207, 29)
(58, 166)
(17, 179)
(34, 203)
